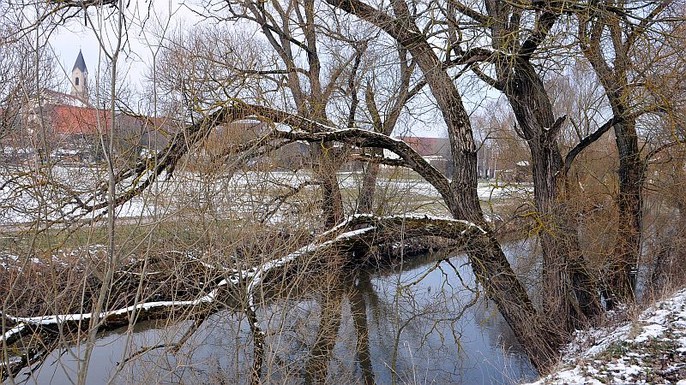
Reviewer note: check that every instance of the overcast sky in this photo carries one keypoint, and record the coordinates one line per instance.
(146, 26)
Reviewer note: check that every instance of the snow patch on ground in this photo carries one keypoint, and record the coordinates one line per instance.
(59, 193)
(648, 350)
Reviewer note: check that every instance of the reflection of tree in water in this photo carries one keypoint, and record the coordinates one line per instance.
(410, 327)
(415, 324)
(430, 321)
(423, 331)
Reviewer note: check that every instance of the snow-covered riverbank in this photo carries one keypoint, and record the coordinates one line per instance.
(651, 349)
(29, 196)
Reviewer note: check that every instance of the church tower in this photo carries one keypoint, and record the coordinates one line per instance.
(79, 79)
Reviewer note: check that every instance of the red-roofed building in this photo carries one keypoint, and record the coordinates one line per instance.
(54, 125)
(69, 120)
(436, 151)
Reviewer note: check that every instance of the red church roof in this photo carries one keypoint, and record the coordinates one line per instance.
(70, 120)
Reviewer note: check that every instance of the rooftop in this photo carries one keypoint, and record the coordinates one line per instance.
(80, 63)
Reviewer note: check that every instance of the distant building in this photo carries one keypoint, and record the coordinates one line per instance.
(79, 79)
(54, 124)
(436, 151)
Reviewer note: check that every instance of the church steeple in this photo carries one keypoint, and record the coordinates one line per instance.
(79, 78)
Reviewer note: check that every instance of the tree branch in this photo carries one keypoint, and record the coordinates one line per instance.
(664, 147)
(585, 142)
(471, 13)
(146, 171)
(487, 79)
(543, 26)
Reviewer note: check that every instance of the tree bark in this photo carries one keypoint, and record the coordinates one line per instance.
(614, 76)
(570, 293)
(624, 267)
(365, 202)
(326, 168)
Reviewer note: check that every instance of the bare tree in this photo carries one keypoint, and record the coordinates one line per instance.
(296, 33)
(312, 77)
(384, 117)
(518, 37)
(610, 35)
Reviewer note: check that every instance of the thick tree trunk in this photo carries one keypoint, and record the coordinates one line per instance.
(570, 293)
(492, 269)
(332, 200)
(365, 201)
(325, 165)
(624, 263)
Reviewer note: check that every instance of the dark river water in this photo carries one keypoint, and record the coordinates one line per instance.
(420, 324)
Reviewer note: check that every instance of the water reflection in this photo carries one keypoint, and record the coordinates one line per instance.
(423, 322)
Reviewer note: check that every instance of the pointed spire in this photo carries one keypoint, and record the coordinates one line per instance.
(80, 63)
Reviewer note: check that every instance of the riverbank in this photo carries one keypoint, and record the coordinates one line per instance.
(648, 349)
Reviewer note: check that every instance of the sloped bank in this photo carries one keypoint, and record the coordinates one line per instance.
(650, 349)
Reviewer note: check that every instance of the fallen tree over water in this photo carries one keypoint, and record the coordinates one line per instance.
(29, 338)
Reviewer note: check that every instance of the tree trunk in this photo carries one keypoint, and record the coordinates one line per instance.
(624, 264)
(539, 337)
(614, 73)
(491, 268)
(332, 200)
(365, 202)
(570, 293)
(325, 165)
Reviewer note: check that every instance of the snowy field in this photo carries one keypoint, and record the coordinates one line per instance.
(27, 196)
(648, 350)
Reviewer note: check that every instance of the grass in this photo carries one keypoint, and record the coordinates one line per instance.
(131, 237)
(398, 191)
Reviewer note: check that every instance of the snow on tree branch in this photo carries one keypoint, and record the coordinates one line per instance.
(357, 232)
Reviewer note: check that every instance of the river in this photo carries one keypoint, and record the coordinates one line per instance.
(415, 324)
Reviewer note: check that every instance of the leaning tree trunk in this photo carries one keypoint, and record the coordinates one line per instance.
(491, 267)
